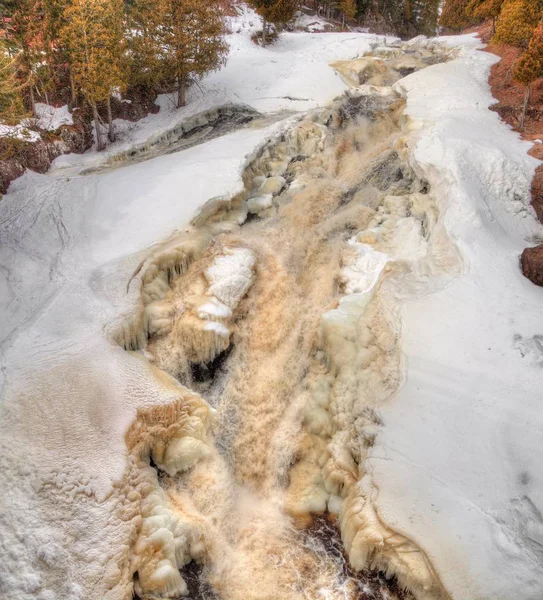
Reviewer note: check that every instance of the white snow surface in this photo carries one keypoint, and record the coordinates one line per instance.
(457, 463)
(20, 132)
(51, 117)
(310, 22)
(230, 276)
(363, 272)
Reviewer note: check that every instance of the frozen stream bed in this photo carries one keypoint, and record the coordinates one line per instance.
(321, 315)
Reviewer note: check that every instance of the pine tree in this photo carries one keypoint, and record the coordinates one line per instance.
(278, 12)
(93, 37)
(11, 101)
(455, 16)
(144, 23)
(190, 41)
(405, 18)
(7, 7)
(30, 39)
(485, 9)
(348, 9)
(421, 17)
(36, 31)
(517, 21)
(530, 66)
(57, 52)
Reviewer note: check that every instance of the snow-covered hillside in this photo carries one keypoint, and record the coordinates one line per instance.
(454, 469)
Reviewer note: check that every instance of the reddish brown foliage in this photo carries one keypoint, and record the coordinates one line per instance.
(510, 95)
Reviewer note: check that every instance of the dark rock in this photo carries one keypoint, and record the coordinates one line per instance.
(10, 169)
(18, 155)
(537, 192)
(136, 105)
(531, 262)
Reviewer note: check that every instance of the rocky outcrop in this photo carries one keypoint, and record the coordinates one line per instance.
(537, 188)
(137, 105)
(531, 261)
(18, 155)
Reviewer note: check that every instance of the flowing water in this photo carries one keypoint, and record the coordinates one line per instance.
(273, 310)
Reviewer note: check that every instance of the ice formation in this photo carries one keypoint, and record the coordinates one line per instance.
(296, 297)
(247, 386)
(175, 436)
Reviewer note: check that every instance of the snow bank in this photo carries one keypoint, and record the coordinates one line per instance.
(457, 463)
(51, 117)
(19, 132)
(310, 23)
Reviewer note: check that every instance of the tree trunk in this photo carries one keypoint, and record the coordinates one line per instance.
(72, 88)
(524, 107)
(96, 116)
(111, 127)
(182, 92)
(32, 101)
(264, 27)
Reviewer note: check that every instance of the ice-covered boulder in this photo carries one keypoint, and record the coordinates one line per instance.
(259, 203)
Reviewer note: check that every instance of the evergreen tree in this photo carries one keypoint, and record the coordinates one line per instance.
(58, 55)
(93, 37)
(36, 33)
(455, 15)
(517, 21)
(144, 22)
(30, 37)
(485, 9)
(278, 12)
(530, 66)
(190, 41)
(405, 18)
(348, 9)
(7, 7)
(11, 101)
(421, 17)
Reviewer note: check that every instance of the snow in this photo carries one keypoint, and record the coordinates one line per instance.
(292, 75)
(361, 275)
(51, 118)
(310, 22)
(214, 309)
(47, 117)
(20, 132)
(457, 463)
(69, 247)
(70, 244)
(230, 276)
(218, 328)
(259, 203)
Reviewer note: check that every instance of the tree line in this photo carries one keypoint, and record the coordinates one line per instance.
(405, 18)
(98, 48)
(518, 23)
(85, 52)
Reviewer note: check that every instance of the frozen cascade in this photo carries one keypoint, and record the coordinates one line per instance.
(277, 314)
